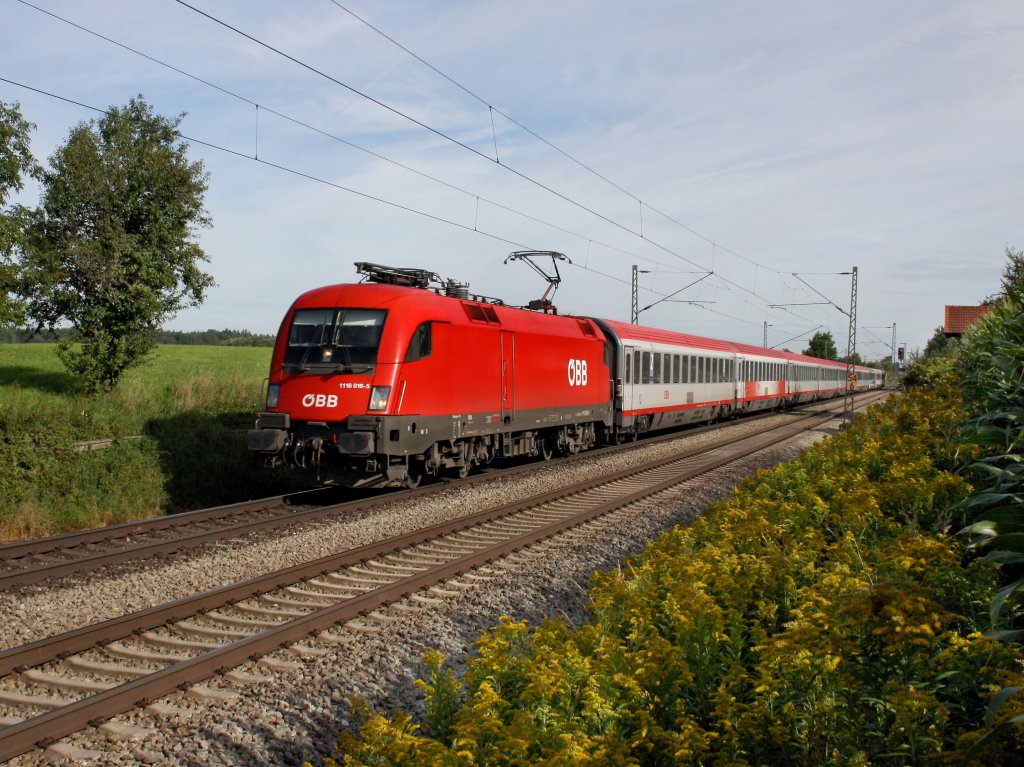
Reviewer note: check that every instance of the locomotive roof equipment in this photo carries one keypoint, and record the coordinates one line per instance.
(396, 275)
(542, 304)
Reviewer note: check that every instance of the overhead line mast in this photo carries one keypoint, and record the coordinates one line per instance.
(851, 349)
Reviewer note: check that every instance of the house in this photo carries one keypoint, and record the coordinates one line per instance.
(959, 318)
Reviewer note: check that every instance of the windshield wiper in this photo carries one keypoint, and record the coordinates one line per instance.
(303, 367)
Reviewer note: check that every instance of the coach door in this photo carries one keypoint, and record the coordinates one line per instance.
(508, 393)
(629, 360)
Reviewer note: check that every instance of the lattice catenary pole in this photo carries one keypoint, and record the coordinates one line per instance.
(851, 348)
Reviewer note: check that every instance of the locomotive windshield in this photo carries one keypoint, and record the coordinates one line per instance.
(336, 340)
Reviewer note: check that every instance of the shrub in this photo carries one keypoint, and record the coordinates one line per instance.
(820, 616)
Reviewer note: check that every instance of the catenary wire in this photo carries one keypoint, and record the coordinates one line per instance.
(335, 185)
(550, 144)
(329, 135)
(413, 170)
(438, 132)
(568, 156)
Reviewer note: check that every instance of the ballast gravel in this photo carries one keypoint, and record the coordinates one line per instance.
(285, 717)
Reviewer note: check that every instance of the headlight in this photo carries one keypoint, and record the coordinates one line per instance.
(273, 395)
(379, 397)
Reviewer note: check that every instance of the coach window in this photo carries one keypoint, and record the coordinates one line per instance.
(645, 371)
(420, 345)
(628, 359)
(636, 367)
(667, 377)
(676, 363)
(656, 368)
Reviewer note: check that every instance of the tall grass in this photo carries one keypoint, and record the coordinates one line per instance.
(190, 406)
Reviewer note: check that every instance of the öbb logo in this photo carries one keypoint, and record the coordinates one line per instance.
(320, 400)
(577, 372)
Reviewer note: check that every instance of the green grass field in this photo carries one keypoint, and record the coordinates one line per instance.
(191, 406)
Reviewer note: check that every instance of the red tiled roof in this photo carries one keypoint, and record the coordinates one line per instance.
(959, 318)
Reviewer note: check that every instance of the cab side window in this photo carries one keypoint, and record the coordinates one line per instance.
(421, 344)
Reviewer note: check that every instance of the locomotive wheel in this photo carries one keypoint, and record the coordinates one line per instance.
(414, 476)
(545, 449)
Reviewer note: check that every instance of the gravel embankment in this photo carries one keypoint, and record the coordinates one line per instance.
(290, 716)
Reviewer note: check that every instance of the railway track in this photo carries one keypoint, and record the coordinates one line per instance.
(34, 561)
(57, 686)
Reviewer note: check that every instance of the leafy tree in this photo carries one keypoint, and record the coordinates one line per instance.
(939, 343)
(16, 162)
(1013, 273)
(112, 252)
(822, 346)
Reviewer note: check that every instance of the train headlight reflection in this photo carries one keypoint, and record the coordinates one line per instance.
(379, 397)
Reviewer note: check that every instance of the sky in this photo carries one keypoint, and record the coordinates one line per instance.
(744, 156)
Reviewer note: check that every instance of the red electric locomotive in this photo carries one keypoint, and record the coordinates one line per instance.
(387, 381)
